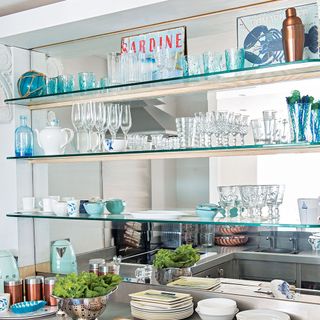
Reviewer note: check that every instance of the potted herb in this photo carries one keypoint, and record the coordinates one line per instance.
(172, 264)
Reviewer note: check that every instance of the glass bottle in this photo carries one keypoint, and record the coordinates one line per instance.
(23, 139)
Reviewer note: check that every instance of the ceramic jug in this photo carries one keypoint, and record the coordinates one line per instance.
(53, 139)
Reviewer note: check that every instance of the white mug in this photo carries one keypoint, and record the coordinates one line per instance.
(67, 199)
(28, 203)
(73, 207)
(60, 208)
(4, 302)
(46, 205)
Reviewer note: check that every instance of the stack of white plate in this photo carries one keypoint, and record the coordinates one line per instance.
(262, 314)
(217, 309)
(161, 305)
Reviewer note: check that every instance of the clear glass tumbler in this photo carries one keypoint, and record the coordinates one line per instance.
(186, 129)
(195, 65)
(213, 62)
(114, 68)
(257, 126)
(234, 59)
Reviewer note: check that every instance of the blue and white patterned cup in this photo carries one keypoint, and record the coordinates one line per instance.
(4, 302)
(73, 207)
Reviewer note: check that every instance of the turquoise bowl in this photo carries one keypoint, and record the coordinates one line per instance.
(31, 84)
(115, 206)
(206, 214)
(94, 208)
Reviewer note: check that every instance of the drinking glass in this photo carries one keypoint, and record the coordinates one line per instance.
(279, 201)
(126, 120)
(114, 68)
(257, 126)
(315, 124)
(195, 64)
(101, 123)
(52, 85)
(156, 140)
(171, 62)
(228, 197)
(244, 127)
(77, 121)
(130, 67)
(234, 59)
(262, 192)
(87, 80)
(222, 127)
(213, 62)
(160, 61)
(235, 127)
(89, 122)
(249, 198)
(114, 119)
(201, 124)
(104, 82)
(271, 201)
(65, 83)
(186, 130)
(210, 128)
(269, 117)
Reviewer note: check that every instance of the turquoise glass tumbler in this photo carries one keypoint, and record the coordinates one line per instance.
(299, 118)
(31, 84)
(87, 80)
(235, 59)
(315, 124)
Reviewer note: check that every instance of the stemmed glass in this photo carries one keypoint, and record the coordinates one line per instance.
(249, 198)
(77, 120)
(271, 201)
(279, 201)
(228, 198)
(126, 120)
(235, 127)
(244, 127)
(262, 192)
(114, 120)
(89, 121)
(101, 123)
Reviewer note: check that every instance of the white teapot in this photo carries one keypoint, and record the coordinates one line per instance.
(53, 139)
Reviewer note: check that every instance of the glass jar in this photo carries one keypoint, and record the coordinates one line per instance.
(23, 139)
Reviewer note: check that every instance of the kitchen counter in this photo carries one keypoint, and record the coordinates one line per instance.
(120, 311)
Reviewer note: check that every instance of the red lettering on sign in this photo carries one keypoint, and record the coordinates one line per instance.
(124, 47)
(142, 46)
(152, 44)
(169, 41)
(178, 40)
(133, 47)
(160, 42)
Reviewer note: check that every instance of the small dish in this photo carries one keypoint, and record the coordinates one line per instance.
(94, 208)
(262, 314)
(27, 306)
(217, 317)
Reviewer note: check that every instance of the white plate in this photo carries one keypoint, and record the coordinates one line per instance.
(262, 314)
(30, 210)
(44, 312)
(158, 214)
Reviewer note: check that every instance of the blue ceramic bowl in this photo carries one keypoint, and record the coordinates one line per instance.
(206, 214)
(31, 84)
(94, 208)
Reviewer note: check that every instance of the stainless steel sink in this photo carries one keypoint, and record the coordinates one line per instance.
(276, 250)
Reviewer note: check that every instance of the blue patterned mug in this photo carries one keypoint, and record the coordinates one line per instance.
(4, 302)
(115, 206)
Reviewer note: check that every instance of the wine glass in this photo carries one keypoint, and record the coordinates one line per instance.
(101, 122)
(126, 120)
(89, 121)
(77, 120)
(114, 119)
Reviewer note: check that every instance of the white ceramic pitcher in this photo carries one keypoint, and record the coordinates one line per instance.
(53, 139)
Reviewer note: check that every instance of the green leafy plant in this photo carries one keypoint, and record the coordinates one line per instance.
(183, 257)
(85, 285)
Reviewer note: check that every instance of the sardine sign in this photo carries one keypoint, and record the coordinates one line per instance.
(173, 39)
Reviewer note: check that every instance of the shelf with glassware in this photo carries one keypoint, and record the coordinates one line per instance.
(197, 81)
(239, 205)
(207, 134)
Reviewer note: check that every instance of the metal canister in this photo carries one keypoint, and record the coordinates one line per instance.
(33, 288)
(103, 269)
(15, 288)
(94, 265)
(42, 285)
(48, 290)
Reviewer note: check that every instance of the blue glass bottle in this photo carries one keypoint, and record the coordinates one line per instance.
(23, 139)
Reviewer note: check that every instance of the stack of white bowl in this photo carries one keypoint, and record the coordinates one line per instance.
(217, 309)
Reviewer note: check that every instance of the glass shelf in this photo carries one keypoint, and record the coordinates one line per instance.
(304, 69)
(247, 150)
(188, 219)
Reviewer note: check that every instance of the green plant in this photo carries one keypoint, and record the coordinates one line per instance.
(183, 257)
(85, 285)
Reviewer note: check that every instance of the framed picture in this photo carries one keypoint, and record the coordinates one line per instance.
(261, 37)
(174, 40)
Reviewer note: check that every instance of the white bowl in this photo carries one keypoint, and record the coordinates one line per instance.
(262, 314)
(217, 306)
(216, 317)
